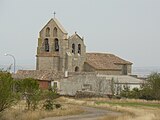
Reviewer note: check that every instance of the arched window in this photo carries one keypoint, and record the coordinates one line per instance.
(76, 69)
(55, 32)
(56, 44)
(46, 45)
(79, 48)
(73, 48)
(47, 32)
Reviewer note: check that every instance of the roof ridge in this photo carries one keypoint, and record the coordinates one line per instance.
(75, 34)
(58, 24)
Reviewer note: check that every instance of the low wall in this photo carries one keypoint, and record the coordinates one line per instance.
(84, 82)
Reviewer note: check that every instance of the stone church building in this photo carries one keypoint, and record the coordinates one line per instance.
(63, 61)
(56, 51)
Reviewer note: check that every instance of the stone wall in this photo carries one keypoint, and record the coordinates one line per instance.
(88, 68)
(52, 24)
(109, 72)
(48, 63)
(129, 69)
(55, 59)
(84, 82)
(76, 59)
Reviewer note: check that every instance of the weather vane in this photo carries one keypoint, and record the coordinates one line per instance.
(54, 14)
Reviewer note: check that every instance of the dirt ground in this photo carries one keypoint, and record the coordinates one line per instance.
(90, 113)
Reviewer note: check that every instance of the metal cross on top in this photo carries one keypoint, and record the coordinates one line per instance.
(54, 14)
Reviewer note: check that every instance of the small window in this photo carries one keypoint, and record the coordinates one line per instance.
(73, 48)
(47, 32)
(79, 48)
(55, 32)
(56, 45)
(46, 45)
(55, 85)
(76, 69)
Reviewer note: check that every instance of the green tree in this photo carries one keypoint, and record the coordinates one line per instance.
(125, 92)
(149, 91)
(7, 96)
(145, 92)
(152, 87)
(134, 93)
(29, 88)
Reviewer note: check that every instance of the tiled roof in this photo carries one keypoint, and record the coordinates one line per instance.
(123, 79)
(105, 61)
(38, 74)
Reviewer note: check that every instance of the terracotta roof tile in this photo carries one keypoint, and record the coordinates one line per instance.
(105, 61)
(38, 74)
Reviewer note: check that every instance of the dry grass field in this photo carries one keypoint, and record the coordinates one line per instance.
(19, 112)
(131, 109)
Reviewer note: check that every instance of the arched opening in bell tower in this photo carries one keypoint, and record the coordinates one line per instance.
(47, 32)
(73, 48)
(79, 48)
(46, 45)
(56, 45)
(55, 32)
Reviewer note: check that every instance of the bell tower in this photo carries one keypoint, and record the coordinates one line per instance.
(51, 47)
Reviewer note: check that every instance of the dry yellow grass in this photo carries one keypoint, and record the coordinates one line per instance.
(132, 113)
(18, 112)
(128, 112)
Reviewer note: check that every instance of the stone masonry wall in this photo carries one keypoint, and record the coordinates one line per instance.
(76, 59)
(84, 82)
(48, 63)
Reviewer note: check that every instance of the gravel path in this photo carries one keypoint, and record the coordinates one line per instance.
(89, 114)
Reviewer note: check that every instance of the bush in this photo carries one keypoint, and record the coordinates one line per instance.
(7, 96)
(149, 91)
(49, 97)
(48, 105)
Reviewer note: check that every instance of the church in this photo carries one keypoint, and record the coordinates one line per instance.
(63, 61)
(58, 52)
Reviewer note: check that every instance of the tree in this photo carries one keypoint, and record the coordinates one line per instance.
(152, 86)
(30, 90)
(7, 96)
(149, 91)
(125, 92)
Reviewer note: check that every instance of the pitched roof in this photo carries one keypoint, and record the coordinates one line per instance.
(38, 74)
(105, 61)
(58, 24)
(123, 79)
(75, 35)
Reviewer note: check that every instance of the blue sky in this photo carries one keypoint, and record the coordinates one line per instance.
(127, 28)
